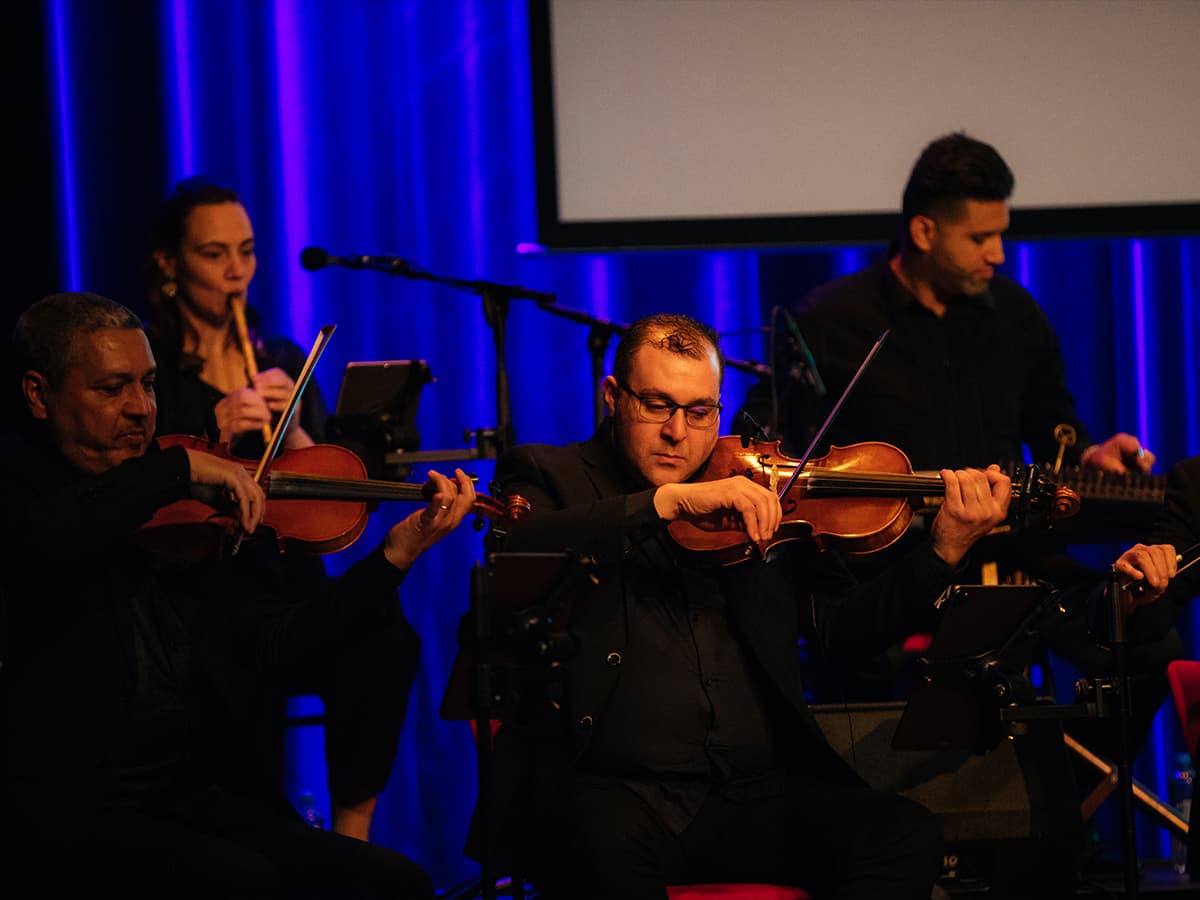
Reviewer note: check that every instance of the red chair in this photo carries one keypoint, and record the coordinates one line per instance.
(1184, 678)
(916, 644)
(735, 892)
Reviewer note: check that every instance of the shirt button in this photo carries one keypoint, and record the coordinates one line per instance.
(613, 659)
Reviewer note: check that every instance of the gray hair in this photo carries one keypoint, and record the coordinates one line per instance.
(45, 331)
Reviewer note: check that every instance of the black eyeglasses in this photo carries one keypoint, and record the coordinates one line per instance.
(659, 410)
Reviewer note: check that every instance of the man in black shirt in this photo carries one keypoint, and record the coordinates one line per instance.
(682, 750)
(121, 663)
(971, 371)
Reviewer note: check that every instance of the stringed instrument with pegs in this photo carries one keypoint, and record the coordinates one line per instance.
(856, 499)
(318, 501)
(318, 497)
(1114, 508)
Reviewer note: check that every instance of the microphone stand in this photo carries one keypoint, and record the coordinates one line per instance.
(496, 297)
(1124, 711)
(490, 442)
(482, 692)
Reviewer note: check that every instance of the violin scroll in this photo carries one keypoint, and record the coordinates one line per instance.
(506, 509)
(1038, 501)
(500, 509)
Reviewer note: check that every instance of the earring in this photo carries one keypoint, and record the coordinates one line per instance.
(169, 289)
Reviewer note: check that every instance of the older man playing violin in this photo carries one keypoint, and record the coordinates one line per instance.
(118, 665)
(682, 750)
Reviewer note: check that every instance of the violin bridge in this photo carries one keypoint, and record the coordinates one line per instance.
(773, 478)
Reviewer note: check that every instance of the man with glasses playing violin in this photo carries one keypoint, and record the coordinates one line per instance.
(682, 750)
(117, 660)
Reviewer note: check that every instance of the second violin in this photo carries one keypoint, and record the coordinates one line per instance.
(856, 499)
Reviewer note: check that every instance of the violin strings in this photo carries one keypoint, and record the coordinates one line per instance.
(834, 482)
(300, 486)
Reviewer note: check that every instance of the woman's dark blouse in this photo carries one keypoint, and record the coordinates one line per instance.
(186, 404)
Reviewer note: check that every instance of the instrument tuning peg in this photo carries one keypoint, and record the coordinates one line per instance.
(1064, 436)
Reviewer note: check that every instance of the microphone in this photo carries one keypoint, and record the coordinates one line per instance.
(806, 365)
(749, 430)
(313, 258)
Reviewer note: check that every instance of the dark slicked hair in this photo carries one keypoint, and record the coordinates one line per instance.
(667, 331)
(952, 169)
(171, 221)
(45, 331)
(170, 224)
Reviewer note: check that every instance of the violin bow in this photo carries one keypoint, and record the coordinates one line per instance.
(833, 414)
(813, 444)
(1186, 558)
(276, 437)
(285, 419)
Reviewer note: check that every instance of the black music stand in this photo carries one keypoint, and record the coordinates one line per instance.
(376, 410)
(972, 690)
(509, 668)
(973, 666)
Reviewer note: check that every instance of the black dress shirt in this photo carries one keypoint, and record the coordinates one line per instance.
(685, 679)
(686, 716)
(186, 404)
(968, 388)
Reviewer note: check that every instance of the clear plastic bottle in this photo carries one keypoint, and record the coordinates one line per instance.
(306, 803)
(1181, 799)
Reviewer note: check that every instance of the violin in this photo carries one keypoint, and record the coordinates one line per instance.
(318, 501)
(856, 499)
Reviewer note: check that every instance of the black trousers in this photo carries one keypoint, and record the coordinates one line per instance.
(366, 695)
(365, 688)
(211, 844)
(835, 841)
(365, 691)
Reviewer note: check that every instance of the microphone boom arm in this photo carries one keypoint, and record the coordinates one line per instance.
(496, 297)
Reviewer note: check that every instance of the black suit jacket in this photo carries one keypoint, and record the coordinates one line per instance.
(121, 669)
(584, 500)
(1179, 525)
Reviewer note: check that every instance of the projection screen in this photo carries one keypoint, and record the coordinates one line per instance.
(736, 122)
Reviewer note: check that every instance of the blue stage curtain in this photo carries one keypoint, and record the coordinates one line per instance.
(371, 127)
